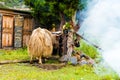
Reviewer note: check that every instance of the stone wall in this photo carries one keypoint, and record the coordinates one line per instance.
(18, 31)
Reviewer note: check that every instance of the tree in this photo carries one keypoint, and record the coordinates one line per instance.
(13, 3)
(54, 11)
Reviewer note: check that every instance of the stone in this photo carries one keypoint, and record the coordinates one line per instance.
(64, 58)
(82, 62)
(73, 60)
(18, 37)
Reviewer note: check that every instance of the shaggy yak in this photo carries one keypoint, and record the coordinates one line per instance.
(41, 44)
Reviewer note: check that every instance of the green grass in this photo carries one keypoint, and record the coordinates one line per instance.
(29, 72)
(19, 54)
(89, 50)
(22, 71)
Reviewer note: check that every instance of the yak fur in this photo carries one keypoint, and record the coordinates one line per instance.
(40, 44)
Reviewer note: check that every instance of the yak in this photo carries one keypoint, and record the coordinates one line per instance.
(41, 44)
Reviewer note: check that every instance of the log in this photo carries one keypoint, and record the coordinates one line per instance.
(15, 61)
(26, 61)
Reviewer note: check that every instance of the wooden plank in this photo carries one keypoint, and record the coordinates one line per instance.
(7, 31)
(27, 30)
(0, 30)
(26, 40)
(28, 23)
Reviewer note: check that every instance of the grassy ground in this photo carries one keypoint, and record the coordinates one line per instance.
(19, 54)
(26, 71)
(88, 49)
(29, 72)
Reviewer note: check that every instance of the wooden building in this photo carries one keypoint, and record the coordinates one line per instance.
(15, 28)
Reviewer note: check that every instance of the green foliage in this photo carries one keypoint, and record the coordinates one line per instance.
(2, 6)
(12, 3)
(48, 11)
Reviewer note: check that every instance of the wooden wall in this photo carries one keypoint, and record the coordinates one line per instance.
(0, 30)
(7, 31)
(15, 29)
(27, 30)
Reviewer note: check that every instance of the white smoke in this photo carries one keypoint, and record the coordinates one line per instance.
(103, 25)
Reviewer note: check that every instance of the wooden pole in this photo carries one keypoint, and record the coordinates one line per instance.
(96, 46)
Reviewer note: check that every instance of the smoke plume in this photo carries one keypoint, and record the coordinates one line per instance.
(101, 26)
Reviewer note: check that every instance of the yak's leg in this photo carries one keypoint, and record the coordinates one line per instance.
(44, 59)
(31, 61)
(40, 60)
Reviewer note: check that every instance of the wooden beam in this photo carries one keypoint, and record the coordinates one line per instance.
(96, 46)
(15, 61)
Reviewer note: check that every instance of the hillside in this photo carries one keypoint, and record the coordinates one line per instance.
(13, 4)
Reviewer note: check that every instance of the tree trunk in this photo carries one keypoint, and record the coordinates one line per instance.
(62, 21)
